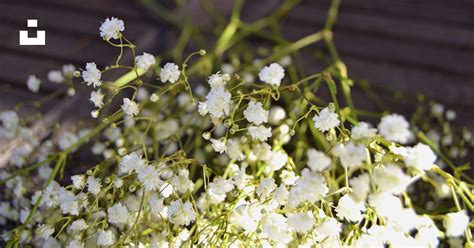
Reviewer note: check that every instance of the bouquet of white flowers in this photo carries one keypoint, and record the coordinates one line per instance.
(247, 157)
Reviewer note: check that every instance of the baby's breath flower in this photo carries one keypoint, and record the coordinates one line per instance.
(218, 80)
(421, 157)
(97, 98)
(118, 214)
(266, 187)
(145, 61)
(456, 223)
(180, 213)
(55, 76)
(360, 187)
(131, 162)
(255, 113)
(301, 222)
(106, 238)
(92, 75)
(363, 131)
(260, 133)
(218, 145)
(68, 70)
(317, 161)
(93, 185)
(33, 83)
(218, 103)
(149, 177)
(130, 107)
(352, 155)
(272, 74)
(9, 119)
(78, 225)
(394, 127)
(276, 228)
(66, 140)
(170, 73)
(326, 120)
(111, 28)
(348, 209)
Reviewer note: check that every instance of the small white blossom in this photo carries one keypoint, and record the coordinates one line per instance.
(66, 140)
(130, 107)
(272, 74)
(218, 145)
(180, 213)
(68, 70)
(131, 162)
(106, 238)
(149, 177)
(97, 98)
(92, 75)
(276, 228)
(33, 83)
(260, 133)
(352, 155)
(394, 127)
(219, 189)
(317, 161)
(118, 214)
(78, 225)
(218, 102)
(255, 113)
(55, 76)
(145, 61)
(170, 73)
(456, 223)
(10, 120)
(93, 185)
(111, 28)
(347, 208)
(363, 131)
(326, 120)
(360, 187)
(301, 222)
(266, 187)
(421, 157)
(218, 80)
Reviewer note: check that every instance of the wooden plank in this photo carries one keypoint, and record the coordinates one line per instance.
(388, 27)
(64, 49)
(66, 21)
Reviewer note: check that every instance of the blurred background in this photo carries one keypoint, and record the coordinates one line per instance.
(400, 47)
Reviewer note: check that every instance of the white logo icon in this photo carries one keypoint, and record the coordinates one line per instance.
(39, 40)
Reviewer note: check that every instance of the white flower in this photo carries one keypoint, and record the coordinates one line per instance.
(218, 102)
(234, 150)
(33, 83)
(395, 128)
(131, 162)
(68, 70)
(275, 227)
(390, 178)
(301, 222)
(181, 181)
(363, 131)
(78, 225)
(450, 115)
(328, 229)
(55, 76)
(219, 189)
(130, 107)
(75, 244)
(288, 177)
(93, 185)
(308, 180)
(9, 119)
(317, 161)
(260, 133)
(276, 115)
(92, 75)
(218, 80)
(277, 160)
(352, 155)
(421, 157)
(106, 238)
(181, 214)
(456, 223)
(44, 231)
(360, 187)
(326, 120)
(170, 73)
(272, 74)
(97, 98)
(266, 187)
(145, 61)
(67, 202)
(66, 140)
(118, 214)
(149, 177)
(202, 108)
(246, 217)
(218, 145)
(385, 204)
(156, 204)
(255, 113)
(111, 28)
(347, 208)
